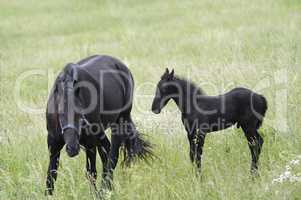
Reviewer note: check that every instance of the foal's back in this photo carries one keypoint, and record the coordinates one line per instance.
(239, 105)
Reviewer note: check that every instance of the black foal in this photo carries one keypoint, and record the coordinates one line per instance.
(202, 114)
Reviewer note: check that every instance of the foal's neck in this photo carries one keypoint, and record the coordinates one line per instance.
(186, 94)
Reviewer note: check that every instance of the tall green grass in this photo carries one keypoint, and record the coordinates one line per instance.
(218, 44)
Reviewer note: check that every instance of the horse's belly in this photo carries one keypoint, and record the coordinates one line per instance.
(220, 124)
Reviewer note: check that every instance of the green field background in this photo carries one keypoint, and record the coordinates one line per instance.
(217, 44)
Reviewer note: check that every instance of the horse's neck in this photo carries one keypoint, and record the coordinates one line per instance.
(180, 106)
(184, 98)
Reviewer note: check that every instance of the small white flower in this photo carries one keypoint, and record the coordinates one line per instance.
(294, 162)
(287, 174)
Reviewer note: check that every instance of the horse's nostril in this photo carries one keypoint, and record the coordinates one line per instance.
(72, 150)
(156, 111)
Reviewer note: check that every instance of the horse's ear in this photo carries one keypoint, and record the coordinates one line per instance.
(75, 73)
(72, 70)
(171, 75)
(165, 75)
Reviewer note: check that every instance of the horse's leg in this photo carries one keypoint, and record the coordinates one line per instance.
(192, 145)
(260, 142)
(255, 142)
(91, 164)
(103, 146)
(199, 140)
(190, 130)
(54, 149)
(196, 139)
(116, 141)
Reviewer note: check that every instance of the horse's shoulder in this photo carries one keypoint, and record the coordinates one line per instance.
(85, 60)
(104, 62)
(240, 89)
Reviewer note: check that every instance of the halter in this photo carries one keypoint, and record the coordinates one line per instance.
(67, 127)
(82, 118)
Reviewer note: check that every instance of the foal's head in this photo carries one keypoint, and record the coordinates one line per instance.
(166, 89)
(67, 101)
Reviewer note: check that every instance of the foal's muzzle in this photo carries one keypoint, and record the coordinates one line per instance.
(156, 106)
(156, 111)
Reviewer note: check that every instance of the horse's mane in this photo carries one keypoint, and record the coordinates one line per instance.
(186, 83)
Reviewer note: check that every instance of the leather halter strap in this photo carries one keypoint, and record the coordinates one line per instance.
(68, 126)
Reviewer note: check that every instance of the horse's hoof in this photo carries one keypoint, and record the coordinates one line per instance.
(48, 192)
(198, 173)
(254, 173)
(104, 194)
(107, 185)
(91, 177)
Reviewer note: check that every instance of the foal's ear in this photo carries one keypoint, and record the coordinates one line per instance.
(166, 71)
(171, 75)
(166, 74)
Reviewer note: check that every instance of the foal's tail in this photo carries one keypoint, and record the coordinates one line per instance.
(262, 108)
(136, 147)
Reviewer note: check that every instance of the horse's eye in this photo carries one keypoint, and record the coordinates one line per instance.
(158, 92)
(162, 90)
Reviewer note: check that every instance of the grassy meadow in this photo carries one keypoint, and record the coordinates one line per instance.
(217, 44)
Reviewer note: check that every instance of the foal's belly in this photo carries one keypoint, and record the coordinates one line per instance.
(219, 124)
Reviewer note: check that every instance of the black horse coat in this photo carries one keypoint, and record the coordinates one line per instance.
(87, 98)
(202, 114)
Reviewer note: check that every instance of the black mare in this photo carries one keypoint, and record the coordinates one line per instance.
(202, 114)
(87, 98)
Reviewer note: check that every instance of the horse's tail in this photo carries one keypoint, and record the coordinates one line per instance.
(136, 147)
(262, 110)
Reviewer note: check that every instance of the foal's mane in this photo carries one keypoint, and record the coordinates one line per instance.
(186, 83)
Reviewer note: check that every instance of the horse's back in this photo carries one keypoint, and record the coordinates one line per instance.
(250, 105)
(98, 63)
(113, 82)
(244, 96)
(107, 70)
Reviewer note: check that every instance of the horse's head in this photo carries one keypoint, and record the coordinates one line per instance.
(164, 92)
(67, 100)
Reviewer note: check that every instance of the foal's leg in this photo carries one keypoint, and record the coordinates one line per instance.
(192, 146)
(255, 143)
(200, 138)
(54, 149)
(196, 139)
(191, 134)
